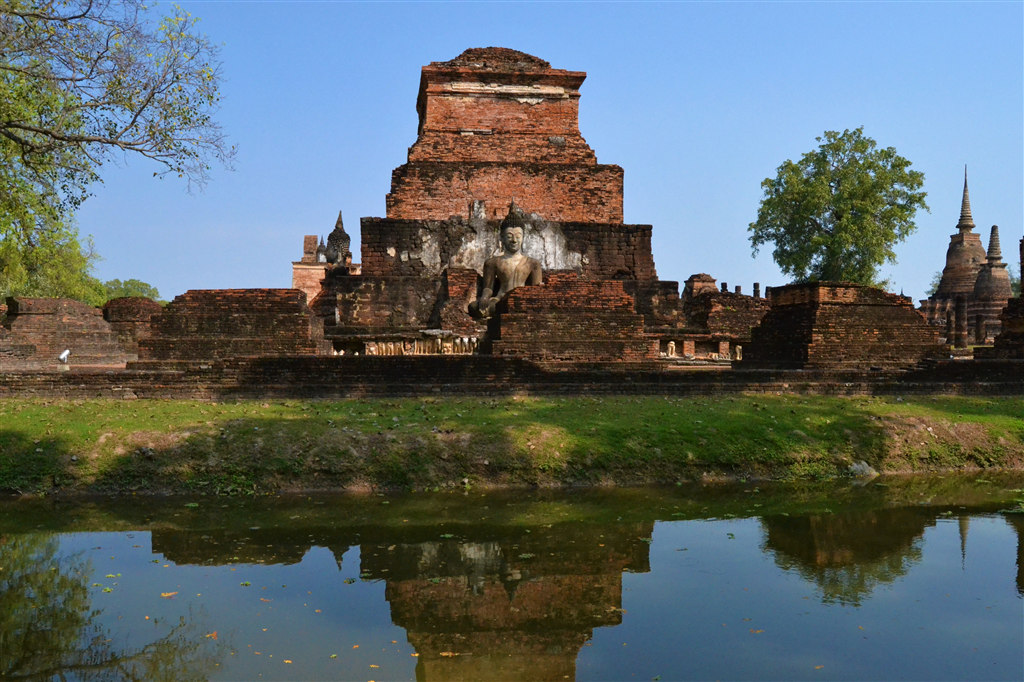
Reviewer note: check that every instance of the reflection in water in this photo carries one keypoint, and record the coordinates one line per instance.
(48, 628)
(506, 604)
(848, 555)
(512, 609)
(1016, 521)
(517, 598)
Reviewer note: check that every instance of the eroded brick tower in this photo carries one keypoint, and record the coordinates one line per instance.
(497, 124)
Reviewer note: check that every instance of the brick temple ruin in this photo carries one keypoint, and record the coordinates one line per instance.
(500, 178)
(974, 287)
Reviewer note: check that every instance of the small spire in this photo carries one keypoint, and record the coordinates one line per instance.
(966, 223)
(995, 254)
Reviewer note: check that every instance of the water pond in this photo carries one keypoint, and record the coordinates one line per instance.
(898, 578)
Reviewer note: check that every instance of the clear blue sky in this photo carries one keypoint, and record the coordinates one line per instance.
(698, 101)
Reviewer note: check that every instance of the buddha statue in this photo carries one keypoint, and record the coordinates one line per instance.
(510, 269)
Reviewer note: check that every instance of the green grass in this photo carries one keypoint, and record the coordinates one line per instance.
(122, 446)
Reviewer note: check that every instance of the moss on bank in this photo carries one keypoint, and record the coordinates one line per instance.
(186, 446)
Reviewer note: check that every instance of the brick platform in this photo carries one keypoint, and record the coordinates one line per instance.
(227, 323)
(839, 325)
(568, 319)
(37, 330)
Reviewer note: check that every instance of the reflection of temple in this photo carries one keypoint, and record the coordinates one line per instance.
(847, 555)
(506, 604)
(510, 609)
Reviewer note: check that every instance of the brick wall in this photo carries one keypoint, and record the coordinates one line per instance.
(725, 314)
(1010, 342)
(129, 318)
(40, 329)
(436, 191)
(568, 319)
(373, 305)
(227, 323)
(333, 377)
(306, 277)
(832, 325)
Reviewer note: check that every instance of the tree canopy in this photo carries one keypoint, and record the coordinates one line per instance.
(82, 83)
(115, 288)
(836, 214)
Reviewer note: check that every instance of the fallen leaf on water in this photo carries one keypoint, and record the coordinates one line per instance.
(318, 610)
(287, 661)
(414, 655)
(147, 617)
(334, 655)
(262, 599)
(376, 666)
(394, 641)
(448, 653)
(757, 632)
(167, 595)
(212, 635)
(355, 646)
(818, 667)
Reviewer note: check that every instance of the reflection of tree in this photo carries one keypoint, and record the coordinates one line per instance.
(47, 628)
(848, 555)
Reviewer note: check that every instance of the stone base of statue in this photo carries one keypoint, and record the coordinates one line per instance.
(568, 319)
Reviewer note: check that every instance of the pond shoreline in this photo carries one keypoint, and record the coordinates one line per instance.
(109, 447)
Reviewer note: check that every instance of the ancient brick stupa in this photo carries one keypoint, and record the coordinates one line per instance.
(964, 259)
(992, 291)
(495, 125)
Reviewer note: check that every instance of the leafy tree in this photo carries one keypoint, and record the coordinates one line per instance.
(1014, 280)
(934, 286)
(115, 288)
(837, 213)
(49, 263)
(84, 82)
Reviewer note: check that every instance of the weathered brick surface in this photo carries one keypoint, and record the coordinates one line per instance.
(436, 191)
(331, 377)
(129, 318)
(839, 325)
(658, 301)
(39, 329)
(412, 248)
(460, 286)
(725, 314)
(1010, 342)
(364, 304)
(568, 319)
(496, 124)
(306, 277)
(227, 323)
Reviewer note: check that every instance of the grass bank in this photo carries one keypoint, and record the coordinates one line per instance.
(247, 447)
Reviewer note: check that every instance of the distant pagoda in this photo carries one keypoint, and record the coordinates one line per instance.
(964, 260)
